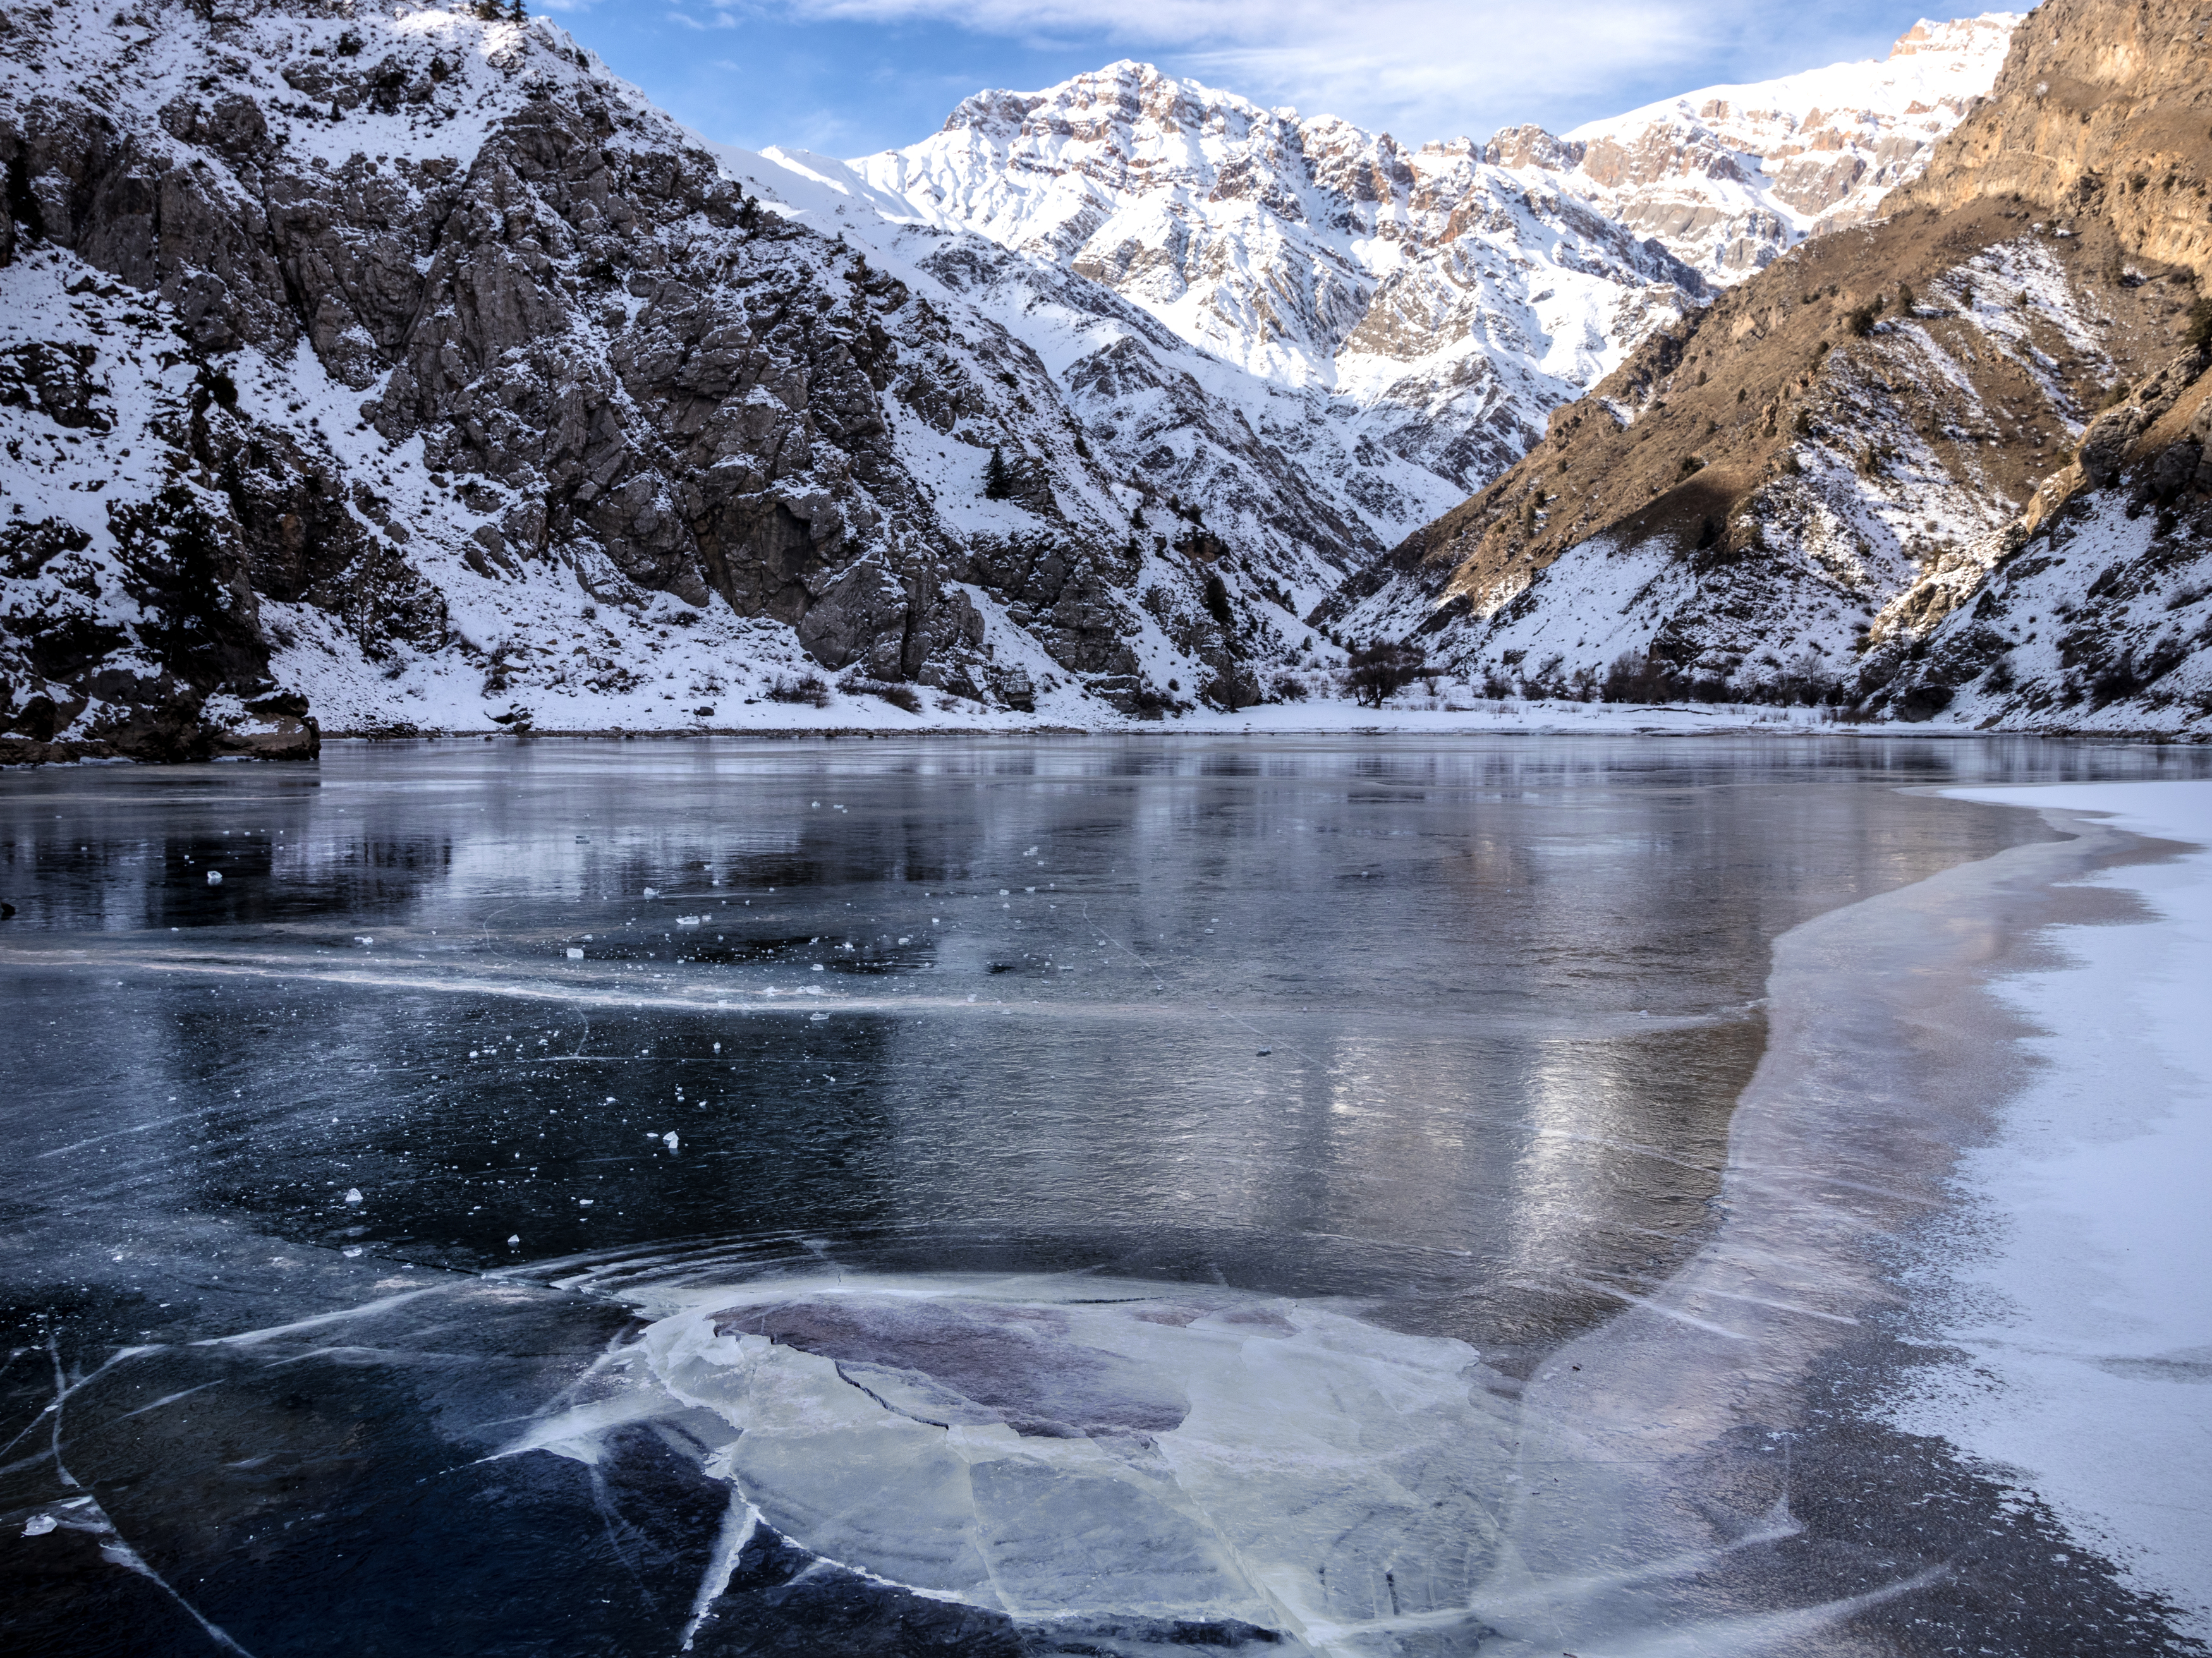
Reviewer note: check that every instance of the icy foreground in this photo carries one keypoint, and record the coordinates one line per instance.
(2081, 1293)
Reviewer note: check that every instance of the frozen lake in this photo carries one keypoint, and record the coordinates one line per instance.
(863, 1196)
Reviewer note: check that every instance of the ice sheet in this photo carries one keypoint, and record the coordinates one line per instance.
(1060, 1448)
(2078, 1282)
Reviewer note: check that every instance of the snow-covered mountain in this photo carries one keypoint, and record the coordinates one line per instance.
(1449, 302)
(1727, 177)
(402, 369)
(1955, 465)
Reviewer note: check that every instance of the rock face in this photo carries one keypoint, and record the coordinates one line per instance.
(1948, 466)
(1446, 302)
(410, 368)
(1727, 178)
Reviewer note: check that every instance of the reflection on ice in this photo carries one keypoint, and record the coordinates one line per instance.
(1082, 1448)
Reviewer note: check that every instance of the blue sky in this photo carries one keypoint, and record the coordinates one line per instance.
(848, 76)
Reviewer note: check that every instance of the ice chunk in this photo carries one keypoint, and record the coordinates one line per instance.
(670, 1140)
(215, 877)
(690, 920)
(513, 1238)
(353, 1194)
(39, 1524)
(1098, 1447)
(351, 1252)
(653, 892)
(574, 954)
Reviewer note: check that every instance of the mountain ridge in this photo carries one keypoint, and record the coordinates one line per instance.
(1942, 467)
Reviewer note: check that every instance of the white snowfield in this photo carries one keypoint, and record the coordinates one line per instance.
(2080, 1272)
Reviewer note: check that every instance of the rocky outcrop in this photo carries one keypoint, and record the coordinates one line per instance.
(1946, 467)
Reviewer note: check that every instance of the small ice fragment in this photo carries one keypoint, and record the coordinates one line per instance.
(1002, 892)
(353, 1194)
(818, 804)
(351, 1252)
(39, 1524)
(1029, 853)
(576, 955)
(718, 1048)
(813, 1018)
(513, 1238)
(690, 920)
(670, 1140)
(903, 937)
(653, 892)
(215, 879)
(818, 967)
(362, 939)
(587, 1202)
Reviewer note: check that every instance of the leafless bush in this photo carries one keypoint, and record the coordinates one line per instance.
(808, 687)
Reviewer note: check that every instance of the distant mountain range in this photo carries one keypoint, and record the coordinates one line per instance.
(409, 372)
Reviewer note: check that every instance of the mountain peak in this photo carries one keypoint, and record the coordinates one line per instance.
(1988, 33)
(1124, 94)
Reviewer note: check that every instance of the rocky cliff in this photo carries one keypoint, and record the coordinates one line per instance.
(1946, 466)
(396, 368)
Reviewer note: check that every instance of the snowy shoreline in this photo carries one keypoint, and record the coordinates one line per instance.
(2074, 1279)
(1846, 1330)
(1307, 719)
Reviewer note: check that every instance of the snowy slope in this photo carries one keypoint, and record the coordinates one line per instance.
(1727, 177)
(453, 386)
(1445, 300)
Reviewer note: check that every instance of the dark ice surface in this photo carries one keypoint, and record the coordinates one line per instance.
(325, 1180)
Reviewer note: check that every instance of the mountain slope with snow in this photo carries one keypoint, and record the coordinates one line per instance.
(1727, 177)
(1953, 465)
(1448, 301)
(406, 370)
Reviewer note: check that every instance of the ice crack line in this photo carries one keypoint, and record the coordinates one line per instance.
(729, 1545)
(1127, 950)
(113, 1546)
